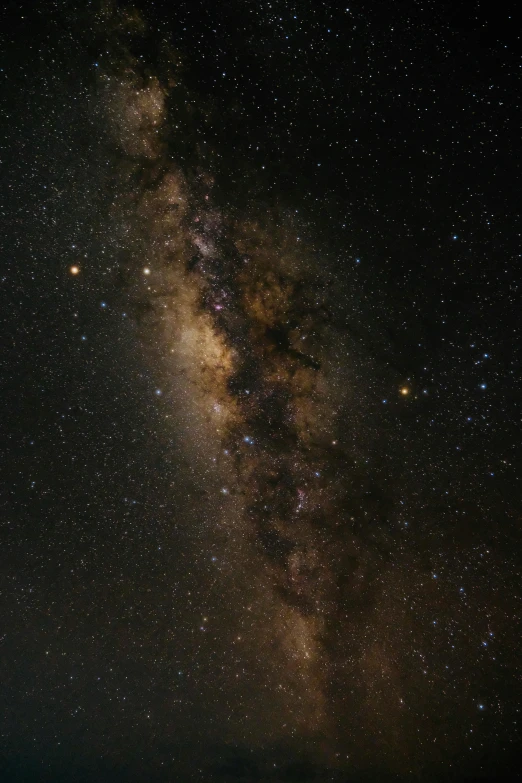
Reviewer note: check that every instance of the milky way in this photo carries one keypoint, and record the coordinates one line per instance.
(246, 320)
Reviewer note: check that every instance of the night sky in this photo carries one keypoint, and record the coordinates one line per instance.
(261, 392)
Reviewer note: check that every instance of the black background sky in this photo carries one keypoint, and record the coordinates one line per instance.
(392, 128)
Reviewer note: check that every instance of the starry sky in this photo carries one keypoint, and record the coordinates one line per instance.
(261, 461)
